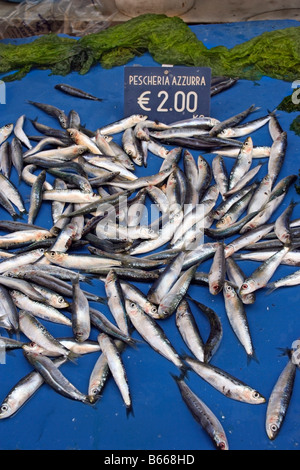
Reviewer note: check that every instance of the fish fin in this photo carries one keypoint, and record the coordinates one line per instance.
(271, 287)
(129, 411)
(101, 300)
(285, 352)
(252, 357)
(73, 357)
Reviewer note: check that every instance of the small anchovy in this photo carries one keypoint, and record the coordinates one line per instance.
(34, 330)
(122, 124)
(275, 128)
(103, 324)
(216, 275)
(261, 276)
(45, 141)
(116, 367)
(5, 132)
(237, 277)
(23, 391)
(19, 132)
(52, 111)
(226, 204)
(12, 193)
(21, 237)
(5, 159)
(237, 317)
(22, 286)
(245, 179)
(216, 330)
(232, 152)
(246, 128)
(235, 211)
(81, 321)
(225, 383)
(101, 372)
(285, 281)
(73, 91)
(17, 156)
(152, 333)
(242, 164)
(9, 344)
(261, 194)
(277, 155)
(279, 400)
(220, 174)
(282, 225)
(8, 311)
(247, 238)
(166, 280)
(221, 84)
(21, 260)
(53, 377)
(131, 292)
(174, 296)
(203, 415)
(232, 121)
(189, 330)
(36, 197)
(116, 301)
(233, 229)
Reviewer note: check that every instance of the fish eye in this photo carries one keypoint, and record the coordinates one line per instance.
(273, 427)
(52, 253)
(4, 407)
(60, 300)
(244, 286)
(132, 305)
(222, 446)
(255, 394)
(153, 309)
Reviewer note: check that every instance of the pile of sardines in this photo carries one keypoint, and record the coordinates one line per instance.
(97, 232)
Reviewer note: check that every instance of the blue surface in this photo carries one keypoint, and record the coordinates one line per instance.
(161, 420)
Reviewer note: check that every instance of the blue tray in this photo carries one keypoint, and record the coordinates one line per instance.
(161, 420)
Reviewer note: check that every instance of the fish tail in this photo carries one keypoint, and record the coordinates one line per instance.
(73, 357)
(285, 352)
(271, 287)
(129, 411)
(252, 357)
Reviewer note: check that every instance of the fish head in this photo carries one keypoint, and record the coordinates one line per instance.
(248, 286)
(248, 145)
(6, 130)
(8, 407)
(55, 255)
(151, 310)
(73, 133)
(272, 427)
(131, 307)
(229, 290)
(229, 132)
(224, 221)
(61, 302)
(110, 277)
(221, 441)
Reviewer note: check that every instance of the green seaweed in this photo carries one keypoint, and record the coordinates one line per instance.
(167, 39)
(295, 126)
(288, 105)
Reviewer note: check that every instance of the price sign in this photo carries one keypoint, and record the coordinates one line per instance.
(167, 93)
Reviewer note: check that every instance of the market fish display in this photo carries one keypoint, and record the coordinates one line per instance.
(204, 213)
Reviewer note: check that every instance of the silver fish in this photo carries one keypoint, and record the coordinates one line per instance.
(203, 415)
